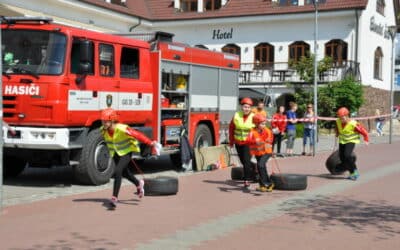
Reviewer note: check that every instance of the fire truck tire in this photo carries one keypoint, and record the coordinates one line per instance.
(289, 181)
(333, 163)
(203, 137)
(95, 167)
(162, 185)
(13, 166)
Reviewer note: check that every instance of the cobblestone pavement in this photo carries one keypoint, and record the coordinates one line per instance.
(40, 184)
(211, 211)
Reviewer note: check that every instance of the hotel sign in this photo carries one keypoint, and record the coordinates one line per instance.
(378, 28)
(221, 34)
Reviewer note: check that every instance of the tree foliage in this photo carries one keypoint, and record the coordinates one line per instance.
(305, 67)
(346, 93)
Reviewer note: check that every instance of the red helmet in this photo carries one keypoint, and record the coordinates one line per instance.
(109, 114)
(259, 118)
(342, 112)
(246, 100)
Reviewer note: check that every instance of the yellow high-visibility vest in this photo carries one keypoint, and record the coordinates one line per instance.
(242, 128)
(347, 134)
(120, 142)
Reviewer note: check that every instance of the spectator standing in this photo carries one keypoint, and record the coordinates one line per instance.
(379, 121)
(278, 125)
(291, 128)
(309, 130)
(260, 109)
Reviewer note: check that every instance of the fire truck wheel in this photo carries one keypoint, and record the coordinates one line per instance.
(237, 173)
(289, 181)
(333, 163)
(95, 167)
(162, 185)
(203, 137)
(13, 166)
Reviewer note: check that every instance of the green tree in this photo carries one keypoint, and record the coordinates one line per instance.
(346, 93)
(305, 67)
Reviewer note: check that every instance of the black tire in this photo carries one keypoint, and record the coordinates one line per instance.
(203, 137)
(162, 185)
(13, 166)
(333, 163)
(95, 166)
(176, 160)
(289, 181)
(237, 173)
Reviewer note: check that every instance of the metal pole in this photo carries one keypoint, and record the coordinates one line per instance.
(1, 128)
(392, 31)
(315, 75)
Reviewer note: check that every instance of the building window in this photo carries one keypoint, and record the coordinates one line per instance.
(378, 58)
(380, 6)
(188, 5)
(337, 50)
(119, 2)
(297, 50)
(264, 55)
(288, 2)
(231, 48)
(212, 4)
(201, 46)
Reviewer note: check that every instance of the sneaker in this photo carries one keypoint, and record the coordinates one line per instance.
(354, 176)
(113, 202)
(140, 189)
(270, 187)
(303, 153)
(246, 184)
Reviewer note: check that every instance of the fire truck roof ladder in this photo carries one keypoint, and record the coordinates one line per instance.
(19, 19)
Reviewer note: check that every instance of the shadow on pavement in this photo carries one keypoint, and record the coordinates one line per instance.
(355, 214)
(64, 176)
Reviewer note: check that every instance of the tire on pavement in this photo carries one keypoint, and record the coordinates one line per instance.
(289, 181)
(333, 163)
(162, 185)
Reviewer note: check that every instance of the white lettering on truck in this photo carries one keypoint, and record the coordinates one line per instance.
(21, 90)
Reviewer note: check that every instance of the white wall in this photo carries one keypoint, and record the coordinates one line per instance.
(370, 40)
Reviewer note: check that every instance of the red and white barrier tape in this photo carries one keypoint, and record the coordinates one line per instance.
(328, 118)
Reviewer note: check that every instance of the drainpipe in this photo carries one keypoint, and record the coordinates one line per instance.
(357, 36)
(134, 26)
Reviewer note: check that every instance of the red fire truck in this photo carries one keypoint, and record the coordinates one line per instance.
(57, 79)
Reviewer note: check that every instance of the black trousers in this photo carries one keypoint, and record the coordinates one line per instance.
(262, 169)
(278, 142)
(345, 152)
(245, 158)
(121, 163)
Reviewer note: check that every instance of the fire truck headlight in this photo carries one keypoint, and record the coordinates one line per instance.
(43, 135)
(35, 134)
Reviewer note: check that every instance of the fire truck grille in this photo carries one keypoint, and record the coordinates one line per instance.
(9, 106)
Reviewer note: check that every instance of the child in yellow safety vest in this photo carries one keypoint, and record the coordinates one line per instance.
(122, 141)
(348, 131)
(260, 141)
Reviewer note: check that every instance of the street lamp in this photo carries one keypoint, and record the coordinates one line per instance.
(315, 2)
(392, 31)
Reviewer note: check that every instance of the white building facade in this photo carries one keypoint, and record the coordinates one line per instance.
(356, 34)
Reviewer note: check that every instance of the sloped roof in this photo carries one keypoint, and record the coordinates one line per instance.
(163, 10)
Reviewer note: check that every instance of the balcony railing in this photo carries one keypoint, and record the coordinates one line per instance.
(281, 73)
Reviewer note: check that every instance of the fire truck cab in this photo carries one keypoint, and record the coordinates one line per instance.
(57, 79)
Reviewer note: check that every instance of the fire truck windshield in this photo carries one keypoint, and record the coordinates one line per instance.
(33, 52)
